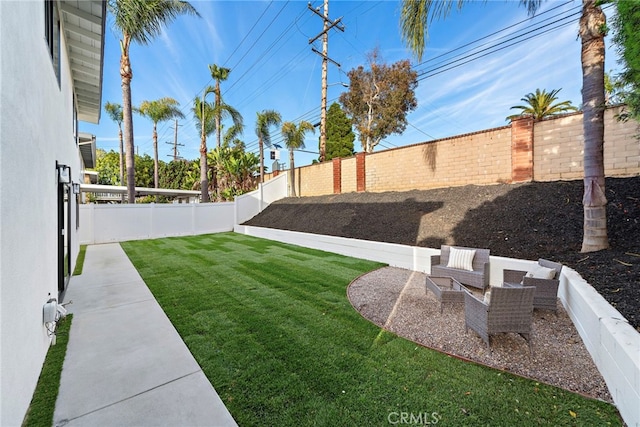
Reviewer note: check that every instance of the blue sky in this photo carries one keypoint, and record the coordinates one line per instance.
(266, 45)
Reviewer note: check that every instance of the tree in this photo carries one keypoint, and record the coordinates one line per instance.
(214, 114)
(139, 21)
(294, 139)
(540, 104)
(222, 110)
(236, 171)
(415, 16)
(627, 37)
(379, 99)
(219, 74)
(144, 171)
(203, 112)
(340, 134)
(115, 113)
(107, 167)
(264, 120)
(157, 111)
(616, 91)
(592, 31)
(177, 174)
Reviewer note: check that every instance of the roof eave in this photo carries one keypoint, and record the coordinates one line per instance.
(83, 23)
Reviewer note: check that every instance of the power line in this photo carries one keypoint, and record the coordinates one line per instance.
(494, 33)
(247, 35)
(534, 30)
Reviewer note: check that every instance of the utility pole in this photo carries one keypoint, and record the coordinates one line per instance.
(176, 156)
(328, 24)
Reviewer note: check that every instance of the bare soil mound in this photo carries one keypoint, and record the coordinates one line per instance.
(528, 221)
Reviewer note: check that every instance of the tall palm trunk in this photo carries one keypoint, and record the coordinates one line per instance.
(121, 158)
(218, 101)
(155, 157)
(592, 32)
(261, 147)
(127, 117)
(292, 174)
(204, 169)
(204, 172)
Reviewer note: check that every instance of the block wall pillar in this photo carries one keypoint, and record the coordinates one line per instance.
(361, 176)
(522, 149)
(337, 175)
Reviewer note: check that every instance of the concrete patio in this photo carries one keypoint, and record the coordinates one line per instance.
(126, 365)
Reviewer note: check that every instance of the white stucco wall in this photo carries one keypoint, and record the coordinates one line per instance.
(36, 129)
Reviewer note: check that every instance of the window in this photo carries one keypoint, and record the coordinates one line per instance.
(52, 34)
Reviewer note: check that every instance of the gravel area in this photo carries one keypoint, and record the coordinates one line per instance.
(398, 300)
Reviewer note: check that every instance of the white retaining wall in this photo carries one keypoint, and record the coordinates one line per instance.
(613, 344)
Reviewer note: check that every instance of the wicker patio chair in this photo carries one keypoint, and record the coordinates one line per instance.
(478, 277)
(546, 294)
(510, 309)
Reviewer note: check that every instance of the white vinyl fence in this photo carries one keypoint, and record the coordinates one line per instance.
(120, 222)
(251, 204)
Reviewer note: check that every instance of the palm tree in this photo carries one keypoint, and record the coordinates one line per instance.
(220, 112)
(415, 17)
(158, 111)
(294, 139)
(541, 104)
(139, 21)
(203, 112)
(115, 113)
(235, 169)
(219, 74)
(264, 120)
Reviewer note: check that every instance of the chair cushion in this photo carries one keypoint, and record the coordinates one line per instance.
(540, 272)
(487, 297)
(461, 258)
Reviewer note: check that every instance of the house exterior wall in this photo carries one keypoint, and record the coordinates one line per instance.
(36, 130)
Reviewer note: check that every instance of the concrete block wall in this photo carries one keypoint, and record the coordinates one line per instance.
(477, 158)
(314, 180)
(548, 150)
(621, 147)
(559, 147)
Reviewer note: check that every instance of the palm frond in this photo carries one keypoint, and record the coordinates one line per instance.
(143, 20)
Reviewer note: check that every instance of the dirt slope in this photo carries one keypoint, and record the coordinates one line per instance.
(529, 221)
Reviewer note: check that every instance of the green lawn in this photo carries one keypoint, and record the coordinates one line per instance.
(272, 328)
(43, 402)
